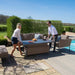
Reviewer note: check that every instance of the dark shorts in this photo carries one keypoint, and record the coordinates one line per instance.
(14, 40)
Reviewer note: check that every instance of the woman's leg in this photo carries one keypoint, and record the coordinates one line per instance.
(19, 48)
(14, 45)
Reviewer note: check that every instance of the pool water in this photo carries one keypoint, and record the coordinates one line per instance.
(72, 45)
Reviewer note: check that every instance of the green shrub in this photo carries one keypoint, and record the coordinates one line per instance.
(11, 25)
(73, 30)
(67, 28)
(3, 28)
(3, 41)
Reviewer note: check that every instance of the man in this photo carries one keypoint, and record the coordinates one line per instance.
(52, 30)
(63, 35)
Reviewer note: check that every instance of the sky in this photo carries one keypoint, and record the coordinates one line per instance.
(63, 10)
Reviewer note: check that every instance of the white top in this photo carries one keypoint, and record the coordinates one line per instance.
(52, 30)
(17, 34)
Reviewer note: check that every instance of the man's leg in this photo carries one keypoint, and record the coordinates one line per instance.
(50, 44)
(54, 46)
(55, 43)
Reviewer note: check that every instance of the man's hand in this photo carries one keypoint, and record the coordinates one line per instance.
(47, 38)
(53, 38)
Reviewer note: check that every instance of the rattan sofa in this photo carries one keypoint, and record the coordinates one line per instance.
(36, 49)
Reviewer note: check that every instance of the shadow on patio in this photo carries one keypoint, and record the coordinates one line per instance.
(10, 61)
(51, 54)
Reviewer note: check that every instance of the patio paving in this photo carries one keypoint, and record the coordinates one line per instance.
(64, 63)
(15, 66)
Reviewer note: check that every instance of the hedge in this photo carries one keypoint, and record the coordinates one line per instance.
(26, 26)
(31, 26)
(3, 41)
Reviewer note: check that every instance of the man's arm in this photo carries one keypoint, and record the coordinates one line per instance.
(53, 33)
(48, 33)
(48, 36)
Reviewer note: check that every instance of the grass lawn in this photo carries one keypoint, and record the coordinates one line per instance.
(2, 25)
(2, 34)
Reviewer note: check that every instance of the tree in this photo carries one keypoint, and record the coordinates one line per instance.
(3, 19)
(29, 17)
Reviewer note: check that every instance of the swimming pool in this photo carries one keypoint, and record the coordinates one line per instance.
(72, 46)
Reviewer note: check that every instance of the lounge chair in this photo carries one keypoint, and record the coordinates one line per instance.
(63, 42)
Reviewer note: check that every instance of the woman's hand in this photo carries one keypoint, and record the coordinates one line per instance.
(21, 43)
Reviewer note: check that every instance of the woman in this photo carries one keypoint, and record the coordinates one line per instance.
(16, 38)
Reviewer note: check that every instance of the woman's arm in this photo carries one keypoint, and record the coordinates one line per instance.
(48, 33)
(19, 37)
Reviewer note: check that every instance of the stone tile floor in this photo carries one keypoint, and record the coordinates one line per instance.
(14, 66)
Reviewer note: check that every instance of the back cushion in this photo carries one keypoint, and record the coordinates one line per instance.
(64, 37)
(27, 36)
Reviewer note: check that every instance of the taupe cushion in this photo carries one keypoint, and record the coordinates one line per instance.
(27, 36)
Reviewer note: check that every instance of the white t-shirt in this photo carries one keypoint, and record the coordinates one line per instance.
(52, 30)
(17, 34)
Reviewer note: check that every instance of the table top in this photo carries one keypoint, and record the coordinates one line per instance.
(26, 42)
